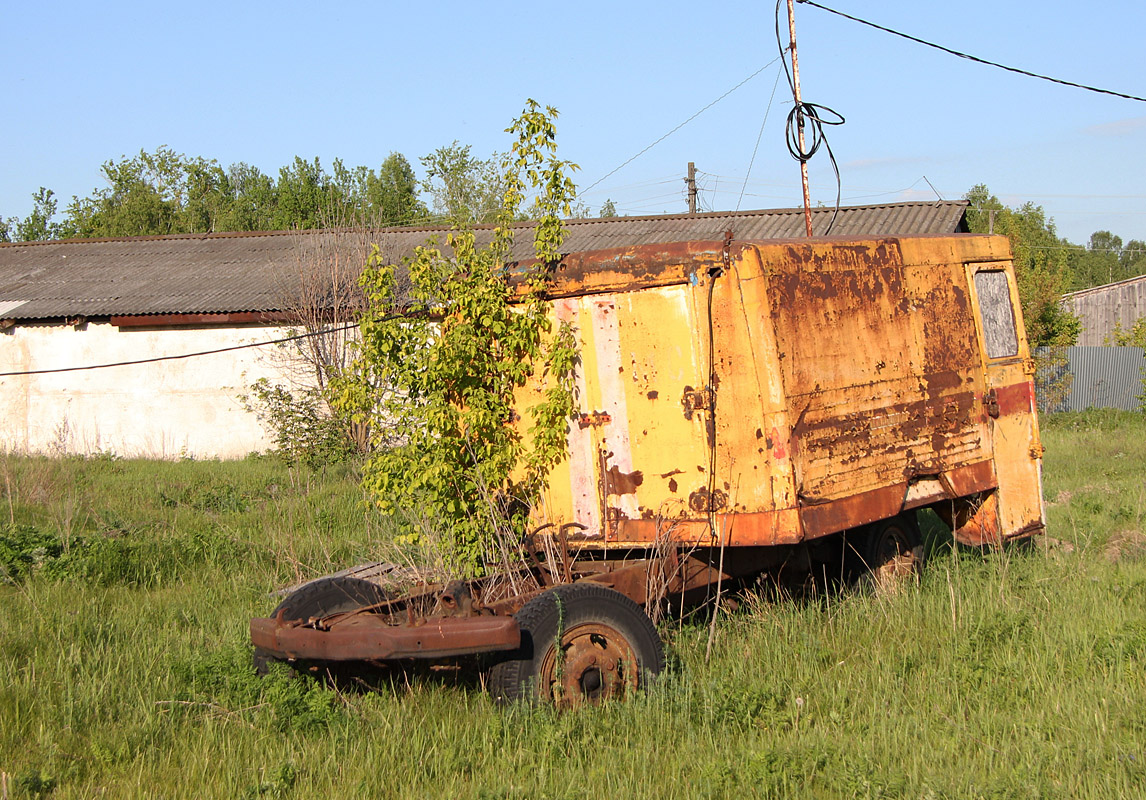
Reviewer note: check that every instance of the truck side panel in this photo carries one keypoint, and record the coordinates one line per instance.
(880, 367)
(849, 382)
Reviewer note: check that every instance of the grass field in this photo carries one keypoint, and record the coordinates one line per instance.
(125, 669)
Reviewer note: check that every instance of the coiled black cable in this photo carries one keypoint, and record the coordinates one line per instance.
(815, 117)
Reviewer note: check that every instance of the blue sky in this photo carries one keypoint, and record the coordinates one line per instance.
(263, 82)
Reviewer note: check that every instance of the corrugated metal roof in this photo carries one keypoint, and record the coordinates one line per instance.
(234, 272)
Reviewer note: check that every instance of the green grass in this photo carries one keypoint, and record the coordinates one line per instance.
(124, 665)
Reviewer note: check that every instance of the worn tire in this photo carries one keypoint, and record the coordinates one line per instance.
(608, 648)
(891, 552)
(322, 598)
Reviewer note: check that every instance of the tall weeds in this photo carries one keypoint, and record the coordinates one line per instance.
(1014, 674)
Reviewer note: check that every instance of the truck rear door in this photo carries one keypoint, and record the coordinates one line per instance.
(1008, 400)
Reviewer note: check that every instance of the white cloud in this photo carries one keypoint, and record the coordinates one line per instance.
(1121, 127)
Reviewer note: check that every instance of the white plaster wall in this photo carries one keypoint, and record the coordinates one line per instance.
(167, 409)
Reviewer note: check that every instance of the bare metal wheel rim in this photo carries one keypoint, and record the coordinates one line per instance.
(593, 663)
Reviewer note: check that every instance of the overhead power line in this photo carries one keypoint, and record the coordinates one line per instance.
(628, 161)
(970, 57)
(183, 355)
(759, 135)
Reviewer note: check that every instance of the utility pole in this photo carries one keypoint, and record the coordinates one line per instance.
(799, 118)
(691, 181)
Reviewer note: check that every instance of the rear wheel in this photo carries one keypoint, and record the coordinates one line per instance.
(324, 597)
(580, 644)
(891, 552)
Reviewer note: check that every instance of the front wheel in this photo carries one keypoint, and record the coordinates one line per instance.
(580, 643)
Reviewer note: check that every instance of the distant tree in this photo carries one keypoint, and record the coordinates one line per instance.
(207, 198)
(1106, 259)
(608, 209)
(394, 194)
(378, 199)
(1097, 263)
(143, 197)
(252, 201)
(167, 192)
(1133, 258)
(304, 189)
(465, 190)
(35, 227)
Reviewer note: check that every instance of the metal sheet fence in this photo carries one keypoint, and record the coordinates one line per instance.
(1078, 378)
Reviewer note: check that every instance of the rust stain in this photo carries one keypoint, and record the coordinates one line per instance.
(617, 482)
(703, 502)
(776, 445)
(977, 523)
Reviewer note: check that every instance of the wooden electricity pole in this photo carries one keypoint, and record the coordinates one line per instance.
(799, 118)
(691, 181)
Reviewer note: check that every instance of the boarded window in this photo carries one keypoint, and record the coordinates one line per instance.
(996, 314)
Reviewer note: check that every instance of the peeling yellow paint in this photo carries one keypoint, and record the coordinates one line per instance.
(800, 388)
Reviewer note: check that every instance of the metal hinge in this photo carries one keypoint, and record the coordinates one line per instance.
(991, 402)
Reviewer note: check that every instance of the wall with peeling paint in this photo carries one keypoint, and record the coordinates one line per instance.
(168, 409)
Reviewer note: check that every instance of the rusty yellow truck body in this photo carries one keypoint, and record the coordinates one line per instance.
(744, 408)
(787, 390)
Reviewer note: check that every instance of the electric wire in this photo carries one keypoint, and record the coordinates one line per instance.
(759, 135)
(711, 389)
(817, 117)
(196, 354)
(677, 128)
(970, 57)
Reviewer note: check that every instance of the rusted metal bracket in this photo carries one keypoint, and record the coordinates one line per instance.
(566, 558)
(456, 601)
(593, 419)
(725, 257)
(694, 400)
(991, 403)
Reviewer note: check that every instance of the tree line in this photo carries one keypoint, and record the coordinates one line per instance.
(166, 192)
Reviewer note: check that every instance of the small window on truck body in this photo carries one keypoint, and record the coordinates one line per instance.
(996, 314)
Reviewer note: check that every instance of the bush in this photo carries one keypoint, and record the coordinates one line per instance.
(306, 431)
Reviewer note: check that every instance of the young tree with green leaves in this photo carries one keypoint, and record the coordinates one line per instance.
(475, 329)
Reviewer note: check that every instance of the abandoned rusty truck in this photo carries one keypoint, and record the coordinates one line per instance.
(747, 408)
